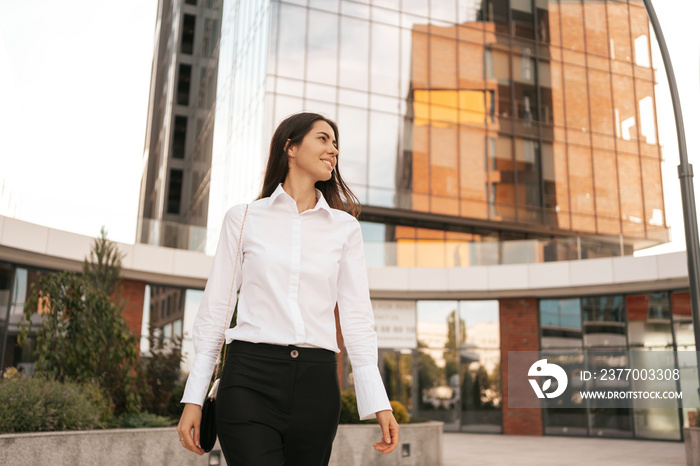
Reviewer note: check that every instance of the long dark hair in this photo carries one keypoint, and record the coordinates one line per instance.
(294, 128)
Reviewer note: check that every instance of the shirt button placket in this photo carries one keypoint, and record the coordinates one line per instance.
(295, 269)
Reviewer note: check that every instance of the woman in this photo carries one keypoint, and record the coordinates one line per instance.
(301, 253)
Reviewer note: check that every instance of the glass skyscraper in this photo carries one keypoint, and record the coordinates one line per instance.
(473, 132)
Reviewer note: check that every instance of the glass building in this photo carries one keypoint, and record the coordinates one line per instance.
(174, 195)
(473, 132)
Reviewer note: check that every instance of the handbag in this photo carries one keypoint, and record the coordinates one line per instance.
(207, 427)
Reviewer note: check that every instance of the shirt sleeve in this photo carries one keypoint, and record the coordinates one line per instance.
(218, 301)
(357, 324)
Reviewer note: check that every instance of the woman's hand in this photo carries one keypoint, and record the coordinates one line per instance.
(390, 432)
(190, 421)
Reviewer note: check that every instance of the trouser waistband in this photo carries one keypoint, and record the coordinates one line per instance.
(285, 352)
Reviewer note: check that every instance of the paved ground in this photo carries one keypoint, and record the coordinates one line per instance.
(503, 450)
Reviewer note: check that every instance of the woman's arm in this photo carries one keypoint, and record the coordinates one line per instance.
(218, 301)
(357, 324)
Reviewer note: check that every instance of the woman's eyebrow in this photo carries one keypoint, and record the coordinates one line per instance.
(328, 136)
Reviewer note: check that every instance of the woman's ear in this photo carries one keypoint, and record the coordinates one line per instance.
(287, 146)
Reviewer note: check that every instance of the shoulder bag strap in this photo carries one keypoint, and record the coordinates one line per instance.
(222, 360)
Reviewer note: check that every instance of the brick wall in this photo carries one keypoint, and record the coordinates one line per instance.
(133, 293)
(519, 332)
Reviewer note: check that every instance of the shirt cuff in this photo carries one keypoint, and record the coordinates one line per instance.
(370, 392)
(197, 384)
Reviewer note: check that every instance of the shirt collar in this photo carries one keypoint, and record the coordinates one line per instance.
(320, 203)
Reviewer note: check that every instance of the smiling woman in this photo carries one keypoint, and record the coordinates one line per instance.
(302, 269)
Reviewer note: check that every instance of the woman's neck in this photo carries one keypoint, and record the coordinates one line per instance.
(303, 193)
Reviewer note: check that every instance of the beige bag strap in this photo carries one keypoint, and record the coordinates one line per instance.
(222, 361)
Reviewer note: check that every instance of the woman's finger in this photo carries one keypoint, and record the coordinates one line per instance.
(192, 445)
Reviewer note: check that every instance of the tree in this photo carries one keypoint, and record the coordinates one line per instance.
(452, 345)
(84, 337)
(103, 270)
(429, 375)
(161, 371)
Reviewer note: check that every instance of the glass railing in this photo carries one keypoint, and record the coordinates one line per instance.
(427, 253)
(173, 235)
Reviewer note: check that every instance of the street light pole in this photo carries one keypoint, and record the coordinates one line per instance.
(685, 174)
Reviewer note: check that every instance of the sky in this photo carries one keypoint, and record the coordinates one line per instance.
(74, 85)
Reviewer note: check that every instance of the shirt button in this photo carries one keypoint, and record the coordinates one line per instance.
(294, 354)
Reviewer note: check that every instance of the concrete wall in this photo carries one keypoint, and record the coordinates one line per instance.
(353, 446)
(157, 446)
(160, 446)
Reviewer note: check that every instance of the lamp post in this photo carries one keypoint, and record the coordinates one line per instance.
(685, 174)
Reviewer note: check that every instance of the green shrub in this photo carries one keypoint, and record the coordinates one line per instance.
(349, 414)
(400, 412)
(36, 404)
(175, 408)
(143, 420)
(348, 408)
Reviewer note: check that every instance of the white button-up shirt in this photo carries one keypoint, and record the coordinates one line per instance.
(293, 268)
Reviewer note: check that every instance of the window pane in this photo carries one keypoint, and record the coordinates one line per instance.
(416, 7)
(354, 53)
(352, 157)
(572, 26)
(566, 421)
(443, 63)
(631, 195)
(683, 321)
(444, 181)
(560, 321)
(581, 188)
(606, 192)
(323, 47)
(604, 321)
(601, 102)
(443, 10)
(183, 84)
(385, 59)
(620, 49)
(292, 29)
(438, 372)
(596, 29)
(649, 320)
(605, 421)
(576, 98)
(383, 145)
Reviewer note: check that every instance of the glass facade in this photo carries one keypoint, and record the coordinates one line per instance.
(174, 198)
(15, 286)
(458, 359)
(614, 325)
(531, 117)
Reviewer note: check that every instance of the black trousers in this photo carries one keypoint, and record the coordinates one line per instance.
(277, 405)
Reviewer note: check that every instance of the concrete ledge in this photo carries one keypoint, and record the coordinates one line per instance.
(691, 438)
(353, 445)
(154, 446)
(160, 446)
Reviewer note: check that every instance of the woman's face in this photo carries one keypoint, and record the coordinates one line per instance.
(317, 154)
